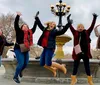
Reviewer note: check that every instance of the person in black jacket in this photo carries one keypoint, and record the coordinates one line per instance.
(23, 37)
(3, 42)
(48, 42)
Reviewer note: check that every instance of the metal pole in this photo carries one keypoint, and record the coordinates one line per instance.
(60, 16)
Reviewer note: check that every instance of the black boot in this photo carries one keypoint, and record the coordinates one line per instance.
(16, 80)
(21, 75)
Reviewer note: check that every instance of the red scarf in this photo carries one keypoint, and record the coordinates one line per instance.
(28, 38)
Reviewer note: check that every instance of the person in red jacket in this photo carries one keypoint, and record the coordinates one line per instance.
(81, 48)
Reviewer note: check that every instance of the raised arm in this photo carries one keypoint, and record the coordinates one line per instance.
(34, 27)
(35, 23)
(92, 24)
(16, 23)
(39, 23)
(96, 31)
(71, 27)
(9, 44)
(62, 31)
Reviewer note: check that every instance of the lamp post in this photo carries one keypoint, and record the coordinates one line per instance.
(61, 10)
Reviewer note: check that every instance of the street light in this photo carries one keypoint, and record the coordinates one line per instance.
(62, 10)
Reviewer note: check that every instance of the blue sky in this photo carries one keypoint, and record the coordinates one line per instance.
(81, 11)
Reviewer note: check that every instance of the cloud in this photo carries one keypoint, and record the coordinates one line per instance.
(4, 9)
(81, 11)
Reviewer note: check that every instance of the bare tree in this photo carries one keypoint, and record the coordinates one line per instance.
(7, 26)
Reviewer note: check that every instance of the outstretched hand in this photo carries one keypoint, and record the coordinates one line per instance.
(19, 13)
(95, 15)
(70, 21)
(68, 18)
(37, 14)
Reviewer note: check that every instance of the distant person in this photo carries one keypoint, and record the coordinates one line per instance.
(81, 49)
(24, 40)
(48, 41)
(97, 33)
(3, 42)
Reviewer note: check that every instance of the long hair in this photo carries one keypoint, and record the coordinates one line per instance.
(47, 23)
(23, 25)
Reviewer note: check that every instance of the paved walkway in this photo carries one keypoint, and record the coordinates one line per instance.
(11, 82)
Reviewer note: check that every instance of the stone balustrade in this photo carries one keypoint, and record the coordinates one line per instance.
(35, 73)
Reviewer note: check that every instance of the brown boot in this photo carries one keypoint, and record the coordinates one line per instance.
(59, 66)
(90, 80)
(64, 68)
(74, 80)
(52, 69)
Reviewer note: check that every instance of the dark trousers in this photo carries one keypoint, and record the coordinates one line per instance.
(86, 64)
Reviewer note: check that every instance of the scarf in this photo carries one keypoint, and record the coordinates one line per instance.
(83, 41)
(28, 38)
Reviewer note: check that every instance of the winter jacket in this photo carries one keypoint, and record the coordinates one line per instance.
(52, 35)
(20, 33)
(76, 38)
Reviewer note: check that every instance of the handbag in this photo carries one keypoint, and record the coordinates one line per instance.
(23, 48)
(77, 49)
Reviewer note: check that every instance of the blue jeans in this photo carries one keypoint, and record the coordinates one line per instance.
(46, 57)
(22, 61)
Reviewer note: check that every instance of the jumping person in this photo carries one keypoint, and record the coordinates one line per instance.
(48, 42)
(3, 42)
(97, 33)
(81, 48)
(24, 40)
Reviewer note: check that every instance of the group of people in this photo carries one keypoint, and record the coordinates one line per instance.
(24, 39)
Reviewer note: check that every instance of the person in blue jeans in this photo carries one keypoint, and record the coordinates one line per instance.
(48, 41)
(23, 36)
